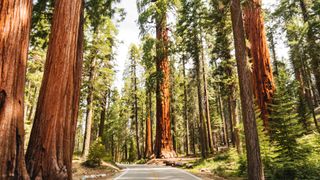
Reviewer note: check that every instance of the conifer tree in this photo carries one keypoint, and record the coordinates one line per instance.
(284, 125)
(15, 20)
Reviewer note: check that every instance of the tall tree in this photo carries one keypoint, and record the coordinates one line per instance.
(101, 28)
(190, 27)
(148, 56)
(49, 154)
(206, 103)
(258, 52)
(163, 144)
(134, 57)
(14, 40)
(156, 12)
(227, 66)
(255, 168)
(313, 46)
(185, 105)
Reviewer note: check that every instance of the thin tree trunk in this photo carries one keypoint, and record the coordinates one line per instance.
(33, 105)
(203, 139)
(173, 109)
(15, 18)
(312, 46)
(185, 107)
(263, 83)
(274, 54)
(89, 114)
(224, 123)
(206, 104)
(148, 147)
(136, 107)
(255, 168)
(49, 154)
(193, 139)
(105, 106)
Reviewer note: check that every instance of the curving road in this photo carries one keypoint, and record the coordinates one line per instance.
(145, 172)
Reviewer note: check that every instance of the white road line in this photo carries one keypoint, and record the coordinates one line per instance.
(124, 173)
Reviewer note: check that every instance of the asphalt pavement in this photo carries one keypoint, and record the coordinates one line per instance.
(145, 172)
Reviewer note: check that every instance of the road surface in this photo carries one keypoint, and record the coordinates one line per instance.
(145, 172)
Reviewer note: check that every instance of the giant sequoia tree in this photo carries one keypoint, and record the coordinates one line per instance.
(259, 53)
(15, 19)
(50, 149)
(156, 11)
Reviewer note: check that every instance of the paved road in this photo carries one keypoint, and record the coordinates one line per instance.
(144, 172)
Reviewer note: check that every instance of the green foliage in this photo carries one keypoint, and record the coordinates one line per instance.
(132, 151)
(285, 128)
(223, 164)
(96, 153)
(42, 13)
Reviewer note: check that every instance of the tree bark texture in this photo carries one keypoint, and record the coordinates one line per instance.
(203, 135)
(163, 142)
(263, 83)
(15, 17)
(206, 104)
(49, 154)
(255, 168)
(148, 147)
(185, 107)
(105, 107)
(135, 105)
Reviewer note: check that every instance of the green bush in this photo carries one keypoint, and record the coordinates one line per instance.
(96, 153)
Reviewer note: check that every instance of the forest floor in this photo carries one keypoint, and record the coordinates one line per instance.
(105, 171)
(223, 165)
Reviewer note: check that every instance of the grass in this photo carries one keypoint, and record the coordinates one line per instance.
(223, 164)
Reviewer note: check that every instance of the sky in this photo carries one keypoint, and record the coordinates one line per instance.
(129, 33)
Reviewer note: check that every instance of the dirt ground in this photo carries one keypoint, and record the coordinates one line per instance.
(81, 172)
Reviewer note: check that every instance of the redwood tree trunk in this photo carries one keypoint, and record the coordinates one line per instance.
(49, 154)
(163, 142)
(255, 169)
(263, 83)
(15, 17)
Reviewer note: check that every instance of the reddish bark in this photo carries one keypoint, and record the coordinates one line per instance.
(255, 168)
(163, 144)
(49, 154)
(148, 147)
(259, 53)
(15, 16)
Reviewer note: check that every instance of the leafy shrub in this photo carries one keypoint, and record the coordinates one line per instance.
(96, 154)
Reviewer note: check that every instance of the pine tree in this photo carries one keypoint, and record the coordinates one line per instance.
(156, 12)
(284, 126)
